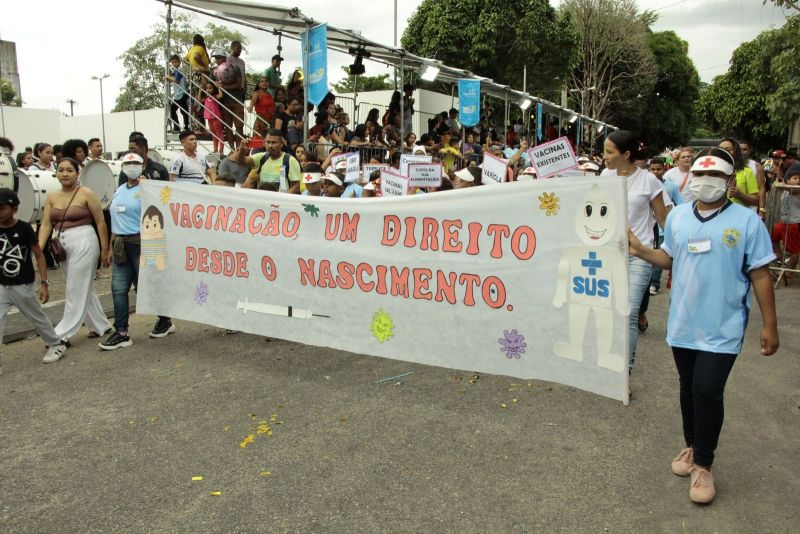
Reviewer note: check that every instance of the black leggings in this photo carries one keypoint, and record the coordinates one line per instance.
(702, 378)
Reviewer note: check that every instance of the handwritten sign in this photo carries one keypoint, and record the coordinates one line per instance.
(425, 174)
(393, 185)
(406, 159)
(552, 158)
(369, 168)
(494, 169)
(353, 171)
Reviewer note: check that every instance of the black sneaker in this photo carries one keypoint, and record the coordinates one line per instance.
(162, 328)
(115, 341)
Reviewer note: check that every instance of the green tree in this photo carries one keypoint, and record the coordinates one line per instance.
(669, 116)
(617, 69)
(791, 4)
(144, 61)
(496, 39)
(365, 83)
(759, 95)
(9, 93)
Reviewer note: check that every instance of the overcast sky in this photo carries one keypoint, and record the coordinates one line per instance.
(57, 62)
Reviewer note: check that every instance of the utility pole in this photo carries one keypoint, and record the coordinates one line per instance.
(102, 112)
(71, 109)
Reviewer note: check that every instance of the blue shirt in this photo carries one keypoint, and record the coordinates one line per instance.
(352, 190)
(181, 87)
(126, 210)
(710, 298)
(672, 191)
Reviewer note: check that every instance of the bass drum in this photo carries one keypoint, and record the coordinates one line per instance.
(163, 156)
(33, 188)
(99, 177)
(7, 178)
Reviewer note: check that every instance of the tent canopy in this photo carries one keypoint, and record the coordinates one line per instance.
(291, 23)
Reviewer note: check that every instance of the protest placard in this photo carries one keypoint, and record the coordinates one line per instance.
(437, 279)
(494, 169)
(353, 172)
(425, 174)
(393, 185)
(405, 159)
(369, 168)
(552, 158)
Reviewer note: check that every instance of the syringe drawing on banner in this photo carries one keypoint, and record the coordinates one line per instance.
(276, 309)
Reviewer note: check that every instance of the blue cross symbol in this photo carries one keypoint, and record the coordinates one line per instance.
(592, 263)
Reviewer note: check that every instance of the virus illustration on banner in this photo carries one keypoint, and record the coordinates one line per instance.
(201, 293)
(311, 209)
(382, 326)
(549, 203)
(512, 344)
(166, 193)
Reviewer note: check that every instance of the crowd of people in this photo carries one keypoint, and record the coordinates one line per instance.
(697, 215)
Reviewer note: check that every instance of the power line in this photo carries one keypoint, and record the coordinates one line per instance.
(669, 5)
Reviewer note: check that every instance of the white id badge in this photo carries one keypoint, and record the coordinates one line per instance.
(283, 185)
(699, 246)
(120, 208)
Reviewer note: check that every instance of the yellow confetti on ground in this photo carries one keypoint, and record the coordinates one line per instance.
(226, 428)
(195, 479)
(269, 432)
(273, 418)
(265, 473)
(215, 493)
(504, 405)
(263, 429)
(246, 441)
(513, 400)
(252, 416)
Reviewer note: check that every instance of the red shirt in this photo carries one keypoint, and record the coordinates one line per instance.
(264, 104)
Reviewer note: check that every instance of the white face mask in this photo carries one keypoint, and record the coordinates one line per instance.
(132, 171)
(708, 188)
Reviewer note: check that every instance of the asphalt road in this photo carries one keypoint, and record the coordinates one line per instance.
(110, 441)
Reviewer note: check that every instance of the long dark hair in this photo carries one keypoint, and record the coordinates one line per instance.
(738, 157)
(197, 39)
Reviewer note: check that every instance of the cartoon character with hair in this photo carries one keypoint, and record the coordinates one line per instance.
(154, 243)
(596, 279)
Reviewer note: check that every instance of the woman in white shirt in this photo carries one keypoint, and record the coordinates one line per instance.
(680, 175)
(645, 208)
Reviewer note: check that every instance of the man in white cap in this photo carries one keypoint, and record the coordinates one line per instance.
(313, 184)
(467, 177)
(332, 185)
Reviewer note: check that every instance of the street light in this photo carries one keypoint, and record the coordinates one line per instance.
(102, 111)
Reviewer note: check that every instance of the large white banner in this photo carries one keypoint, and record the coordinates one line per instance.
(527, 279)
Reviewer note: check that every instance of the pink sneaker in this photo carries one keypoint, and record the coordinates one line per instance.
(701, 490)
(682, 464)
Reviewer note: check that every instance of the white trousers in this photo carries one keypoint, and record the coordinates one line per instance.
(82, 304)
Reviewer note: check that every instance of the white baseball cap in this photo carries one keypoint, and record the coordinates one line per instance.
(332, 178)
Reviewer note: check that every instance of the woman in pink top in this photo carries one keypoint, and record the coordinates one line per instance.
(213, 114)
(72, 211)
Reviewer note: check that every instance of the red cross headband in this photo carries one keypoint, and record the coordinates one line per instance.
(312, 177)
(712, 163)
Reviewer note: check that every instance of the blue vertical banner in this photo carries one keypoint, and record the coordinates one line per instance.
(469, 101)
(539, 110)
(317, 67)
